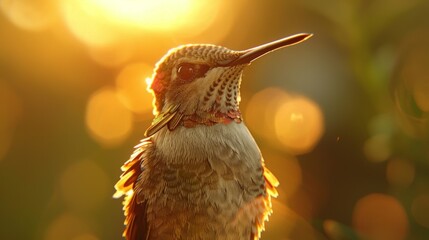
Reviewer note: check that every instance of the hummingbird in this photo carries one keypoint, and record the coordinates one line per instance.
(198, 173)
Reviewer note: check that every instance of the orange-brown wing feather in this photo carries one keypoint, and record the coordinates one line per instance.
(135, 212)
(271, 183)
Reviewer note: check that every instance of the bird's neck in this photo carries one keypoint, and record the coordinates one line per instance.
(211, 118)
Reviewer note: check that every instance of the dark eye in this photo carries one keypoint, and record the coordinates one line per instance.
(189, 71)
(186, 71)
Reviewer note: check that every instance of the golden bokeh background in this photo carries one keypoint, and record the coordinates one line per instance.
(342, 120)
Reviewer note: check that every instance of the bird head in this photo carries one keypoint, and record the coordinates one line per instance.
(203, 80)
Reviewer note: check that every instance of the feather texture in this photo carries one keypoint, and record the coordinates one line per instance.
(163, 119)
(135, 212)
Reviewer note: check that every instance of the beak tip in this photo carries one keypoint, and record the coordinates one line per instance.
(303, 36)
(309, 35)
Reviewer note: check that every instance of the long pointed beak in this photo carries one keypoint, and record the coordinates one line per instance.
(252, 54)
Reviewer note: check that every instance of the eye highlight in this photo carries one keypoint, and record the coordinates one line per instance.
(190, 71)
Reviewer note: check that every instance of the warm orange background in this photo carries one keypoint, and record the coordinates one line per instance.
(341, 119)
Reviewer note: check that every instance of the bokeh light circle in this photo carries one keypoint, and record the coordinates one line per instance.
(84, 186)
(299, 124)
(108, 120)
(400, 173)
(420, 210)
(379, 216)
(377, 148)
(295, 120)
(261, 109)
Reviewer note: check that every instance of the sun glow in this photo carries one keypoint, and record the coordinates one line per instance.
(161, 14)
(103, 22)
